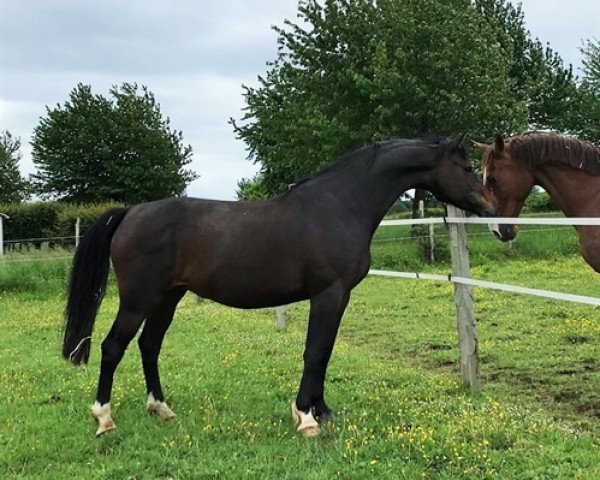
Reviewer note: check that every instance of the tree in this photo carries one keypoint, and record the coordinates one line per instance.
(250, 189)
(362, 70)
(96, 149)
(13, 187)
(591, 63)
(587, 110)
(537, 75)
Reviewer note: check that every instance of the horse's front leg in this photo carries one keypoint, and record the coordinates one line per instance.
(326, 310)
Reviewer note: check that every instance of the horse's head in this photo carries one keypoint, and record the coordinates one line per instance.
(452, 180)
(508, 180)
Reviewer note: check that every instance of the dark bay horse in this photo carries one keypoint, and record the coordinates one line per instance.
(311, 242)
(568, 169)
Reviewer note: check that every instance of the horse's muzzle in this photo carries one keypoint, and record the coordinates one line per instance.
(504, 233)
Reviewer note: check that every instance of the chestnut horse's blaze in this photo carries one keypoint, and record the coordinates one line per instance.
(568, 169)
(311, 242)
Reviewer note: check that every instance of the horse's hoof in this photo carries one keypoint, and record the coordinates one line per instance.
(101, 414)
(105, 427)
(160, 409)
(309, 431)
(305, 422)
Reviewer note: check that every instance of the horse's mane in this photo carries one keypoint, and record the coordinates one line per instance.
(367, 155)
(542, 148)
(341, 163)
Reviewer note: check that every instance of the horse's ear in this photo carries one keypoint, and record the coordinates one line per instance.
(482, 147)
(498, 143)
(457, 143)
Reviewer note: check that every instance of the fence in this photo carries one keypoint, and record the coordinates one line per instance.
(3, 216)
(463, 283)
(460, 277)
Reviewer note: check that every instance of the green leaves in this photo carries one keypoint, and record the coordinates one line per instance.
(591, 63)
(540, 81)
(587, 113)
(353, 72)
(96, 149)
(350, 72)
(13, 187)
(250, 189)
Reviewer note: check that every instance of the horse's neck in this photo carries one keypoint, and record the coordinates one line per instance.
(384, 192)
(365, 198)
(576, 193)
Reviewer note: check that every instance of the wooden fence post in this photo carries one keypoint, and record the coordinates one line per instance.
(431, 243)
(431, 232)
(281, 314)
(421, 209)
(77, 228)
(465, 310)
(2, 217)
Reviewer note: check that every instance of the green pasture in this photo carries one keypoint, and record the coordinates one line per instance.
(393, 383)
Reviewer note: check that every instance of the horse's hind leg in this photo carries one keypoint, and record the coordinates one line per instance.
(114, 345)
(150, 343)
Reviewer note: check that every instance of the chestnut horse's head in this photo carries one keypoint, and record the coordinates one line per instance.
(509, 181)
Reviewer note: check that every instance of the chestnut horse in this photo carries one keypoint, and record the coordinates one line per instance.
(311, 242)
(568, 169)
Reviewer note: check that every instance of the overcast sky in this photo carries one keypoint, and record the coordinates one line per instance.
(193, 54)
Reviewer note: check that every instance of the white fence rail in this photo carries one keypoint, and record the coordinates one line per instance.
(570, 221)
(573, 221)
(568, 297)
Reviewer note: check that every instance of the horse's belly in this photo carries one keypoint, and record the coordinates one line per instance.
(251, 295)
(247, 287)
(247, 300)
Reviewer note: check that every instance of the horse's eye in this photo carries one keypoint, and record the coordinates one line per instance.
(491, 181)
(468, 169)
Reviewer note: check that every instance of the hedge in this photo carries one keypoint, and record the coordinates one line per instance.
(48, 219)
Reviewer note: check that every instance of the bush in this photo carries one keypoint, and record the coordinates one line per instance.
(539, 202)
(44, 220)
(30, 220)
(400, 206)
(87, 214)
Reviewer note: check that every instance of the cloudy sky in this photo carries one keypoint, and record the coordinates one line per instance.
(193, 54)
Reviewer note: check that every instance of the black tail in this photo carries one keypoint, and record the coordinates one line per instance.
(87, 284)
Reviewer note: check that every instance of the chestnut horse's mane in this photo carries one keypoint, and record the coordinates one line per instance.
(540, 148)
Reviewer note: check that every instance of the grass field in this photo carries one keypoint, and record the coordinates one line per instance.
(393, 382)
